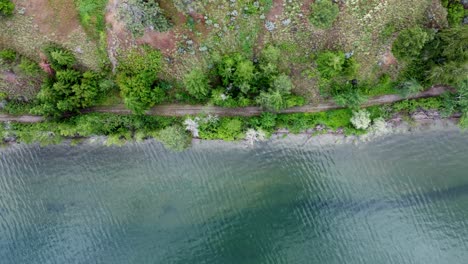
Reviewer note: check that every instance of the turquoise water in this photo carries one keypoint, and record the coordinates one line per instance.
(401, 199)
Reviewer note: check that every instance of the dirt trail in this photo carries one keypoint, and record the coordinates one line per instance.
(183, 110)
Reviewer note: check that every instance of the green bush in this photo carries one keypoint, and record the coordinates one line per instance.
(139, 15)
(276, 97)
(410, 87)
(70, 91)
(197, 84)
(230, 129)
(324, 13)
(137, 75)
(6, 7)
(347, 94)
(330, 64)
(410, 42)
(8, 55)
(455, 12)
(174, 138)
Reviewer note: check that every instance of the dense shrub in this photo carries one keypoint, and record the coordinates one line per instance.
(68, 90)
(347, 94)
(324, 13)
(455, 11)
(410, 42)
(174, 138)
(445, 59)
(244, 81)
(137, 79)
(6, 7)
(410, 87)
(140, 15)
(275, 98)
(197, 84)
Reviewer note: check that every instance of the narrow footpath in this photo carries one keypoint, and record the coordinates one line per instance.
(183, 110)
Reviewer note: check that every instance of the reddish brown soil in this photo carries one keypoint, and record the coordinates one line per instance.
(388, 60)
(57, 17)
(164, 41)
(272, 16)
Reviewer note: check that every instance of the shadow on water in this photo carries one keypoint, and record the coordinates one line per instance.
(376, 205)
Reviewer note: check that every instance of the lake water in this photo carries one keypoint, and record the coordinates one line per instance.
(400, 199)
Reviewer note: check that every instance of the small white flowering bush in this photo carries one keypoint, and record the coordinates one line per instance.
(252, 136)
(361, 119)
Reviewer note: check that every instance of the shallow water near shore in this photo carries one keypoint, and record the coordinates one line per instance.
(399, 199)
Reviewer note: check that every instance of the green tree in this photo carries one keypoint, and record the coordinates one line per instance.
(330, 64)
(324, 13)
(272, 100)
(6, 7)
(197, 84)
(410, 42)
(137, 75)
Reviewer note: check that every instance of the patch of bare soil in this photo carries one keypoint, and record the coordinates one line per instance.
(388, 60)
(273, 15)
(163, 41)
(55, 17)
(118, 37)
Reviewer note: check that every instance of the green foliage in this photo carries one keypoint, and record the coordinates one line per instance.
(244, 80)
(8, 55)
(140, 15)
(16, 107)
(92, 15)
(445, 59)
(137, 76)
(59, 58)
(69, 91)
(230, 129)
(385, 85)
(410, 42)
(462, 95)
(29, 67)
(197, 84)
(330, 64)
(324, 13)
(174, 138)
(347, 94)
(270, 54)
(410, 88)
(6, 7)
(455, 12)
(409, 106)
(276, 97)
